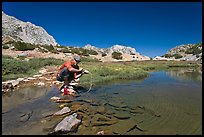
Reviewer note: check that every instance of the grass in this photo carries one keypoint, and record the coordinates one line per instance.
(100, 72)
(14, 68)
(106, 72)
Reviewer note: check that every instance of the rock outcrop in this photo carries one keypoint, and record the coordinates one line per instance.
(14, 29)
(188, 52)
(114, 48)
(161, 58)
(128, 53)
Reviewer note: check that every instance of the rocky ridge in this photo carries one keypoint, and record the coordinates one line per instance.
(188, 52)
(128, 53)
(17, 30)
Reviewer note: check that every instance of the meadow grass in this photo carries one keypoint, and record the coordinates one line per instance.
(105, 72)
(100, 72)
(15, 68)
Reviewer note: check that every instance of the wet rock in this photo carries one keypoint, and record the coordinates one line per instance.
(50, 73)
(30, 78)
(69, 123)
(121, 117)
(48, 79)
(41, 84)
(63, 101)
(20, 79)
(109, 112)
(25, 117)
(76, 106)
(7, 86)
(43, 121)
(101, 110)
(26, 80)
(47, 114)
(126, 126)
(100, 133)
(37, 76)
(43, 71)
(86, 121)
(62, 105)
(107, 123)
(12, 82)
(55, 98)
(41, 77)
(94, 104)
(85, 100)
(47, 129)
(149, 111)
(102, 120)
(135, 127)
(62, 111)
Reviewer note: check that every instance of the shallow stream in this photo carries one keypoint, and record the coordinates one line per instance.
(166, 102)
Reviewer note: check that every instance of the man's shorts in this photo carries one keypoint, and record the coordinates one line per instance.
(64, 73)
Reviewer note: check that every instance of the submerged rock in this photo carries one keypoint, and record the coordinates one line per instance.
(55, 98)
(69, 123)
(100, 133)
(63, 111)
(25, 117)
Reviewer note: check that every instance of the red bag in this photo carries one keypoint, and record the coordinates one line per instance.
(66, 92)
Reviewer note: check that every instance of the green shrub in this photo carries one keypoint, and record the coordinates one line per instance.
(167, 55)
(22, 46)
(75, 51)
(82, 51)
(65, 50)
(88, 59)
(177, 56)
(92, 52)
(50, 48)
(5, 46)
(117, 55)
(194, 49)
(21, 57)
(13, 68)
(104, 54)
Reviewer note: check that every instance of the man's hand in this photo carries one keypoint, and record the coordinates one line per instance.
(81, 69)
(86, 72)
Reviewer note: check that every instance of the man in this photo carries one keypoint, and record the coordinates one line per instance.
(69, 71)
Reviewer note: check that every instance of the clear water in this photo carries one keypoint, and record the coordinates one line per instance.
(167, 102)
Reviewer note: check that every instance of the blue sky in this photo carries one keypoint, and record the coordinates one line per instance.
(151, 28)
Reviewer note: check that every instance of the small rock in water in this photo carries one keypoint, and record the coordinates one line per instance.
(25, 117)
(100, 133)
(20, 79)
(55, 98)
(37, 76)
(62, 106)
(26, 80)
(69, 123)
(31, 78)
(41, 84)
(63, 111)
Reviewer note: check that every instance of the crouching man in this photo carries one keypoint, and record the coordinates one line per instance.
(69, 72)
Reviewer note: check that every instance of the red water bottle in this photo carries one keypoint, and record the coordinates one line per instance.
(65, 90)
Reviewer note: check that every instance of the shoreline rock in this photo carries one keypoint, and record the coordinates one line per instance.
(45, 78)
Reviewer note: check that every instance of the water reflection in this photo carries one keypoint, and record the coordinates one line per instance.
(15, 98)
(159, 104)
(186, 74)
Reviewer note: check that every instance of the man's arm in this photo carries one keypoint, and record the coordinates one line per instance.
(79, 75)
(75, 70)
